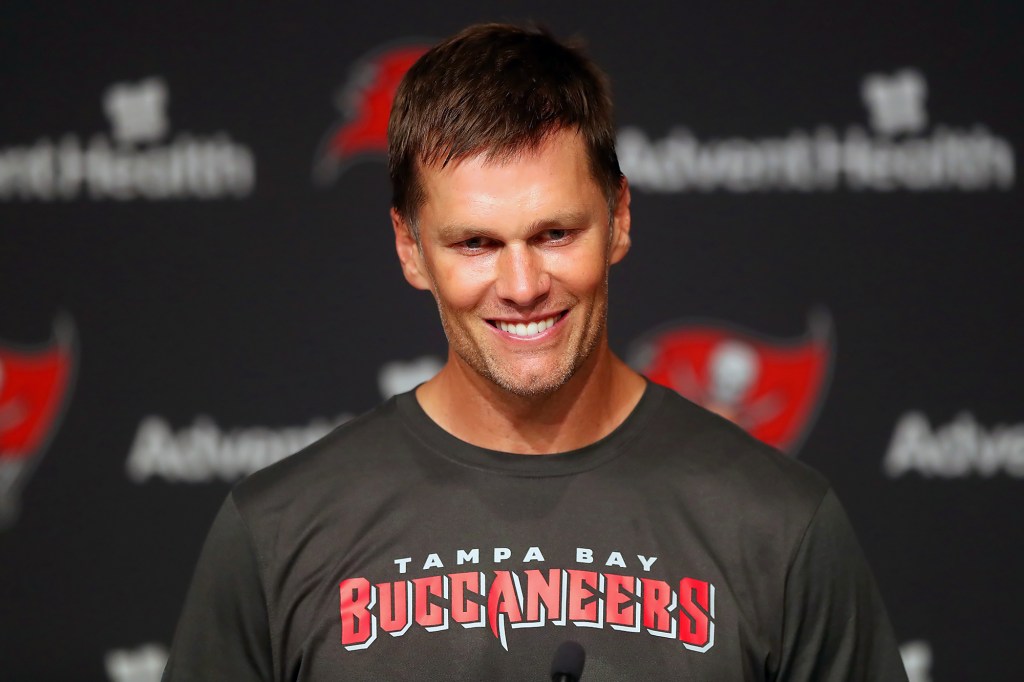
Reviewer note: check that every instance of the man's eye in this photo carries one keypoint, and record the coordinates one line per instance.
(474, 243)
(556, 235)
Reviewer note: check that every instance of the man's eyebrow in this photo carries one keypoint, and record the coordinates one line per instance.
(454, 232)
(571, 218)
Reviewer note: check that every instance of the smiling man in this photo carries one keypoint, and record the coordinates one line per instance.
(537, 489)
(516, 252)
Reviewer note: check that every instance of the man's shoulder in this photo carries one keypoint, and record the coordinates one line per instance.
(359, 446)
(707, 451)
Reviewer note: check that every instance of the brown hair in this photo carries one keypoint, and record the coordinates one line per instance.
(497, 89)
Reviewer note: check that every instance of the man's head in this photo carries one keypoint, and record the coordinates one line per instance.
(499, 90)
(509, 204)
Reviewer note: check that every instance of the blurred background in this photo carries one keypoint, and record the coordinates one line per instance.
(197, 278)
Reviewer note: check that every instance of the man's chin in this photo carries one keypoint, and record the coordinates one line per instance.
(531, 384)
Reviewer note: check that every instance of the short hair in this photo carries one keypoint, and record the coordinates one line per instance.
(497, 89)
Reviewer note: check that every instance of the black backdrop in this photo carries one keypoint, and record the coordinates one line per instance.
(827, 184)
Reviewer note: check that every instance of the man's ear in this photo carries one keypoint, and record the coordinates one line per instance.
(620, 225)
(409, 254)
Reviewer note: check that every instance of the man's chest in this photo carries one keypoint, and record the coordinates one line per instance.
(462, 584)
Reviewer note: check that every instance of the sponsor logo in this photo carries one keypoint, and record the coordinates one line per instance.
(621, 596)
(917, 659)
(959, 449)
(35, 384)
(365, 105)
(204, 452)
(135, 161)
(398, 377)
(142, 664)
(773, 388)
(896, 152)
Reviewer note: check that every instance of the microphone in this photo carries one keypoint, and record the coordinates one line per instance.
(567, 666)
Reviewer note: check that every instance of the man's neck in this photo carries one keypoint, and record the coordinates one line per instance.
(598, 397)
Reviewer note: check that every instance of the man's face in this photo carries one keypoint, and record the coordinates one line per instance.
(517, 254)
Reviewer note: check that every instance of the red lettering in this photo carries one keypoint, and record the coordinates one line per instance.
(620, 603)
(548, 592)
(428, 614)
(463, 610)
(502, 598)
(658, 600)
(583, 603)
(696, 599)
(358, 625)
(395, 600)
(587, 598)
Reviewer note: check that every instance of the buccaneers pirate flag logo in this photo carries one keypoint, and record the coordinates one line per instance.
(34, 386)
(365, 104)
(770, 387)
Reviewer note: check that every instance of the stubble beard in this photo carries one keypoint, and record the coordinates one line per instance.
(502, 374)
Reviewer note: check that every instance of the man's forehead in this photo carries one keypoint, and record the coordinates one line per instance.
(555, 159)
(501, 152)
(568, 140)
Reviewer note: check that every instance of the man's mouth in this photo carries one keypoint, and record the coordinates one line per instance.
(527, 329)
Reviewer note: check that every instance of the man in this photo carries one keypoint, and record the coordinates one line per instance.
(537, 489)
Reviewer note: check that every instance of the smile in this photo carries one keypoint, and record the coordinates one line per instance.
(527, 329)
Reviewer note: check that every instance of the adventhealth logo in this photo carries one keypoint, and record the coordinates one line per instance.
(205, 451)
(895, 152)
(134, 161)
(896, 103)
(960, 449)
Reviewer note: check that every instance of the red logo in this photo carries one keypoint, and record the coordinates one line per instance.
(34, 386)
(682, 611)
(365, 102)
(770, 387)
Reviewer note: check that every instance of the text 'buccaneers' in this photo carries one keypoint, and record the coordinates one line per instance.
(684, 612)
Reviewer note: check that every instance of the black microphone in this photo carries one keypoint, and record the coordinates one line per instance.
(567, 666)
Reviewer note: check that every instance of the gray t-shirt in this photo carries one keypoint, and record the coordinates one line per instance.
(677, 547)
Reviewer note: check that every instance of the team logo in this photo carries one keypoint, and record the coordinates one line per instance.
(770, 387)
(618, 594)
(35, 383)
(365, 105)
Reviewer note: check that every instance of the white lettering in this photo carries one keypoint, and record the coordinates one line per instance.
(433, 561)
(203, 452)
(472, 556)
(185, 168)
(584, 555)
(615, 559)
(501, 553)
(959, 449)
(917, 659)
(129, 164)
(646, 561)
(533, 554)
(948, 160)
(142, 664)
(402, 563)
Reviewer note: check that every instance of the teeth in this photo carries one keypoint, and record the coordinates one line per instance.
(532, 329)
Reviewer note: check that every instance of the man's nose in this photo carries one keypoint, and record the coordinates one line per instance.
(521, 279)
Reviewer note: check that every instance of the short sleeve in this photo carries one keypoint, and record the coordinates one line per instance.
(223, 633)
(835, 626)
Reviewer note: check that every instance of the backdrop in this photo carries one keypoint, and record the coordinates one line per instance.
(197, 278)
